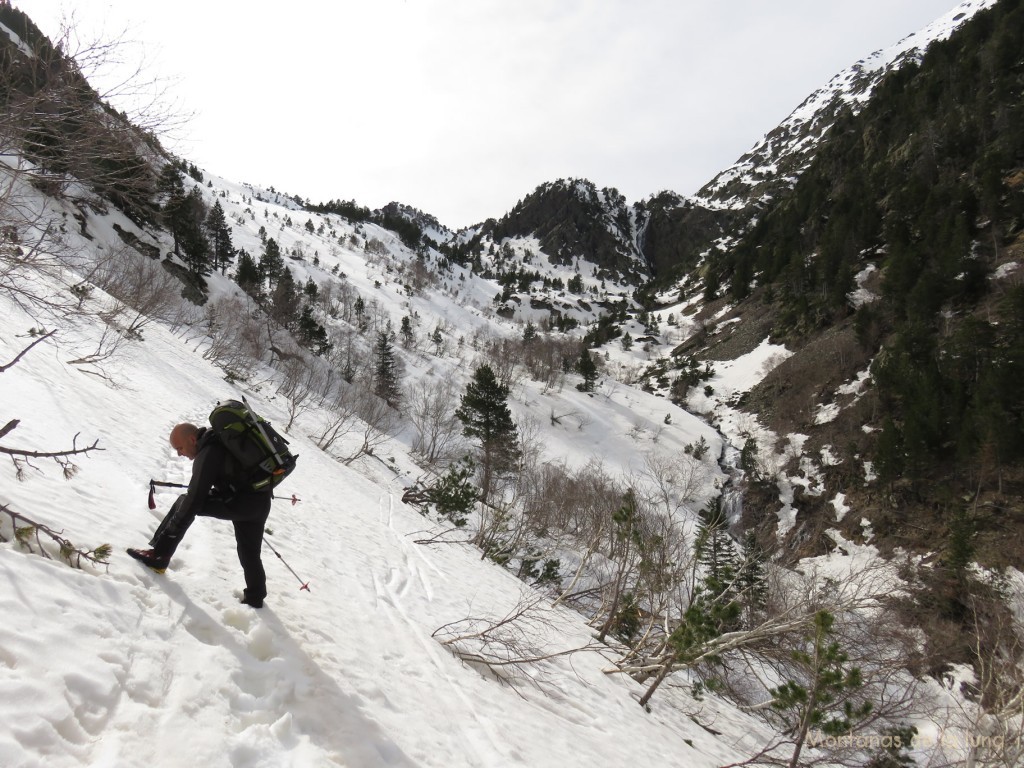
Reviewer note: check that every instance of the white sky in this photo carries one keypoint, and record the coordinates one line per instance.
(462, 107)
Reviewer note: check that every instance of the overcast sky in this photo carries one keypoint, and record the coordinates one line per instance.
(462, 107)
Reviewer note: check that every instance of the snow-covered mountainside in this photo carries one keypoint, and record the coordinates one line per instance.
(778, 158)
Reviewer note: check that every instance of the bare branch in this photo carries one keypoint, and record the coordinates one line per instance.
(21, 457)
(23, 352)
(10, 426)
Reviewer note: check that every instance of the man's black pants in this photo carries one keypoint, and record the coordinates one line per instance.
(248, 513)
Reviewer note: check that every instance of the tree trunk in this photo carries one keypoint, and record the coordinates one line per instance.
(666, 670)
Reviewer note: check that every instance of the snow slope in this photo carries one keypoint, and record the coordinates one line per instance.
(118, 666)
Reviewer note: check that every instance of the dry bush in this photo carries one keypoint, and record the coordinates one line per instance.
(575, 503)
(143, 289)
(378, 422)
(69, 138)
(238, 337)
(506, 647)
(544, 358)
(354, 410)
(675, 480)
(337, 298)
(58, 138)
(349, 354)
(339, 417)
(305, 383)
(505, 357)
(430, 406)
(986, 728)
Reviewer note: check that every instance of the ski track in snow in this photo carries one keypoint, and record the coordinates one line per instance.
(400, 582)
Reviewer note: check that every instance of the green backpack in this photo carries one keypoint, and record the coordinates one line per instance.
(260, 458)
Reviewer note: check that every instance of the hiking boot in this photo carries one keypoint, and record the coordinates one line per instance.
(150, 559)
(251, 600)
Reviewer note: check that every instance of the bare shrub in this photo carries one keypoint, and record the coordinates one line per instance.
(58, 138)
(110, 341)
(339, 418)
(987, 724)
(421, 276)
(505, 646)
(305, 382)
(143, 289)
(377, 422)
(545, 358)
(503, 531)
(431, 408)
(62, 129)
(238, 337)
(505, 357)
(22, 457)
(355, 410)
(349, 354)
(28, 533)
(674, 479)
(30, 268)
(338, 300)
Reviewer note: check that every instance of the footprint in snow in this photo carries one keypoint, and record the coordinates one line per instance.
(263, 644)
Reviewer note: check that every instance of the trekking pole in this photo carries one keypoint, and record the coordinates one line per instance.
(294, 500)
(154, 483)
(305, 584)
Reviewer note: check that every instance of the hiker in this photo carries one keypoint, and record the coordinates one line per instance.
(210, 495)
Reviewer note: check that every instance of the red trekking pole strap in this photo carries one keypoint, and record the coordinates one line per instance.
(152, 490)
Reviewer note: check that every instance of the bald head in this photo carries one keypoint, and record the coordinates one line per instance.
(184, 438)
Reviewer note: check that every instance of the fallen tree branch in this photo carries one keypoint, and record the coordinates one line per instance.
(29, 531)
(21, 457)
(25, 351)
(513, 641)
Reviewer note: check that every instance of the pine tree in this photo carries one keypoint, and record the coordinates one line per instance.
(247, 275)
(529, 333)
(386, 374)
(359, 307)
(454, 494)
(587, 368)
(820, 696)
(219, 234)
(437, 339)
(184, 214)
(285, 301)
(748, 456)
(311, 333)
(751, 580)
(171, 187)
(190, 234)
(408, 335)
(271, 262)
(485, 415)
(311, 290)
(716, 552)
